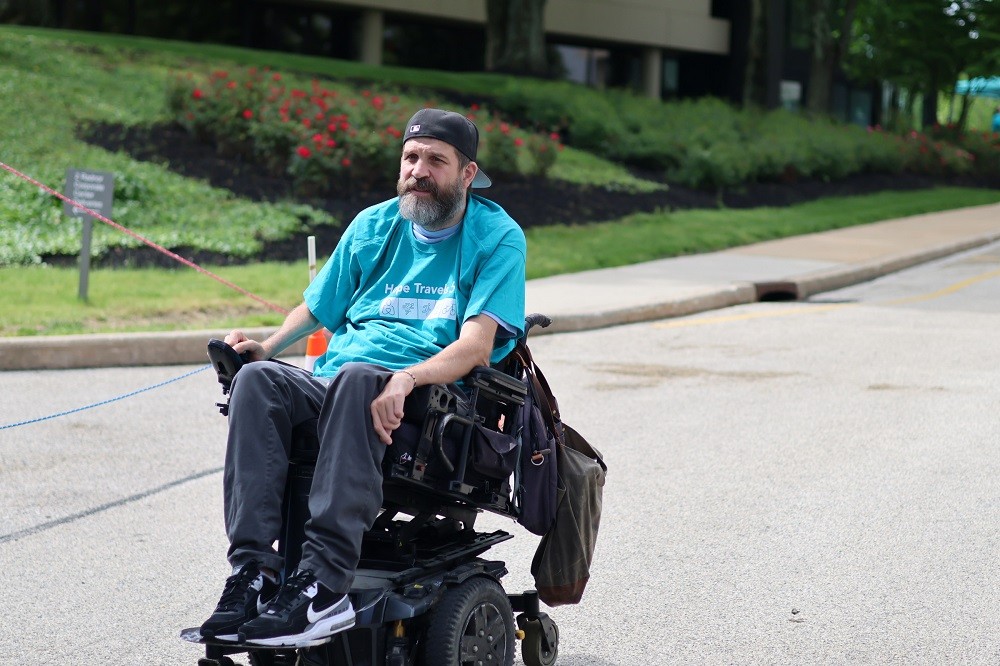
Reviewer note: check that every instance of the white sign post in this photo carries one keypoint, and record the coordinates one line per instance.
(95, 190)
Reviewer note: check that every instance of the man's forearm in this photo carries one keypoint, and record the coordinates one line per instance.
(455, 361)
(299, 323)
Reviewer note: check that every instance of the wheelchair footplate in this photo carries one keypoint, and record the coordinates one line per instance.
(385, 601)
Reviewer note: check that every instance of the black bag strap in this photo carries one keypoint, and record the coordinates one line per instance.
(539, 386)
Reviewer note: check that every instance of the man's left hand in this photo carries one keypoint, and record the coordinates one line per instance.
(387, 408)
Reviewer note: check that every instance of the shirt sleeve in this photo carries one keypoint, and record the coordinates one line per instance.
(329, 295)
(499, 289)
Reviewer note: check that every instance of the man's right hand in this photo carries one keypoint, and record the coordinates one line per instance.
(253, 350)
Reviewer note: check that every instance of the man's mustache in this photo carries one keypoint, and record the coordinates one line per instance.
(420, 185)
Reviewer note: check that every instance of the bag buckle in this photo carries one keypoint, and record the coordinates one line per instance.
(538, 457)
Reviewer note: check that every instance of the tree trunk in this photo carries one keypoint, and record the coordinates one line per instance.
(827, 51)
(891, 115)
(515, 36)
(928, 116)
(755, 52)
(774, 20)
(820, 65)
(963, 115)
(496, 32)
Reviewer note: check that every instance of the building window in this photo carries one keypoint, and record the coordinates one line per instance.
(585, 65)
(671, 77)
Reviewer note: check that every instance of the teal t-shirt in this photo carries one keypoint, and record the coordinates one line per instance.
(391, 299)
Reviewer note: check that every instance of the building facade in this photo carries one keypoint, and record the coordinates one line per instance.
(664, 48)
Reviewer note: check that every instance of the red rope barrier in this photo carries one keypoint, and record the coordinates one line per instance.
(143, 239)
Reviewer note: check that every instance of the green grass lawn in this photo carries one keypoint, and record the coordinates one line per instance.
(41, 300)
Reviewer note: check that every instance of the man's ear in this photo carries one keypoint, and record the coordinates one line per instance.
(471, 169)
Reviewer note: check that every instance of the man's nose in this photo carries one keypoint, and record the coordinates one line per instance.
(419, 169)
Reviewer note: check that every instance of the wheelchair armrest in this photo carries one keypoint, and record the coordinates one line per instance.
(497, 385)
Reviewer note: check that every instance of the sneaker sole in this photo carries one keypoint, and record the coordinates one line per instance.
(321, 632)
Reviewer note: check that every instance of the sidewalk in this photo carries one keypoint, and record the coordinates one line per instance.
(790, 268)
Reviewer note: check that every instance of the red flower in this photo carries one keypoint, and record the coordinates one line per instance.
(231, 85)
(332, 127)
(345, 162)
(303, 152)
(554, 136)
(197, 94)
(330, 143)
(474, 107)
(505, 128)
(317, 138)
(276, 77)
(248, 114)
(518, 142)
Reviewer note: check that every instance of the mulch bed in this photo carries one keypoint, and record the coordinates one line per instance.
(530, 201)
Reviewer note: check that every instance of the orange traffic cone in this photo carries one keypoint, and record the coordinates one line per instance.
(315, 347)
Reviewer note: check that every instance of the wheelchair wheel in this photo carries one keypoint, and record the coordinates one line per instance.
(472, 624)
(533, 650)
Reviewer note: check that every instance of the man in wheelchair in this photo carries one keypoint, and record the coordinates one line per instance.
(420, 290)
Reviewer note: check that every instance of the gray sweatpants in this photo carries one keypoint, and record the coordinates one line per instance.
(267, 401)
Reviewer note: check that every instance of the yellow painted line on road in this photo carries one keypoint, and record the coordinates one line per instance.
(725, 319)
(813, 309)
(958, 286)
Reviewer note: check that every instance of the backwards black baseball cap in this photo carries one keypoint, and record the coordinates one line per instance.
(452, 128)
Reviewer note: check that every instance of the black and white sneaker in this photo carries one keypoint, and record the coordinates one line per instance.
(305, 613)
(246, 595)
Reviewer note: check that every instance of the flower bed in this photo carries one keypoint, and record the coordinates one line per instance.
(331, 138)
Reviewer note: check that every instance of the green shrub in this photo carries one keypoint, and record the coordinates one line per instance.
(499, 146)
(542, 152)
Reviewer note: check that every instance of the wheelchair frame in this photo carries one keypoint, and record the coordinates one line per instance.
(422, 593)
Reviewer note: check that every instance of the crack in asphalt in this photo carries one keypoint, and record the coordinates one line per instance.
(41, 527)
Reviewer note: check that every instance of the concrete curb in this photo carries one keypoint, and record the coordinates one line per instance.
(723, 296)
(64, 352)
(188, 347)
(838, 278)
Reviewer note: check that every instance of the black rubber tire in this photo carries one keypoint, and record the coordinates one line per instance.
(531, 646)
(472, 625)
(221, 661)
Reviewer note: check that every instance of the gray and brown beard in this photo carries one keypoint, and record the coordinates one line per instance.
(432, 214)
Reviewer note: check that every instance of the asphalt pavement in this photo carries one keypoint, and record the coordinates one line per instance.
(787, 269)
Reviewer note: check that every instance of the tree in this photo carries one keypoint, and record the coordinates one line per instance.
(515, 36)
(765, 48)
(925, 47)
(830, 24)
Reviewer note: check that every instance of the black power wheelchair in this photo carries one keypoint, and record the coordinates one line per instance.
(422, 594)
